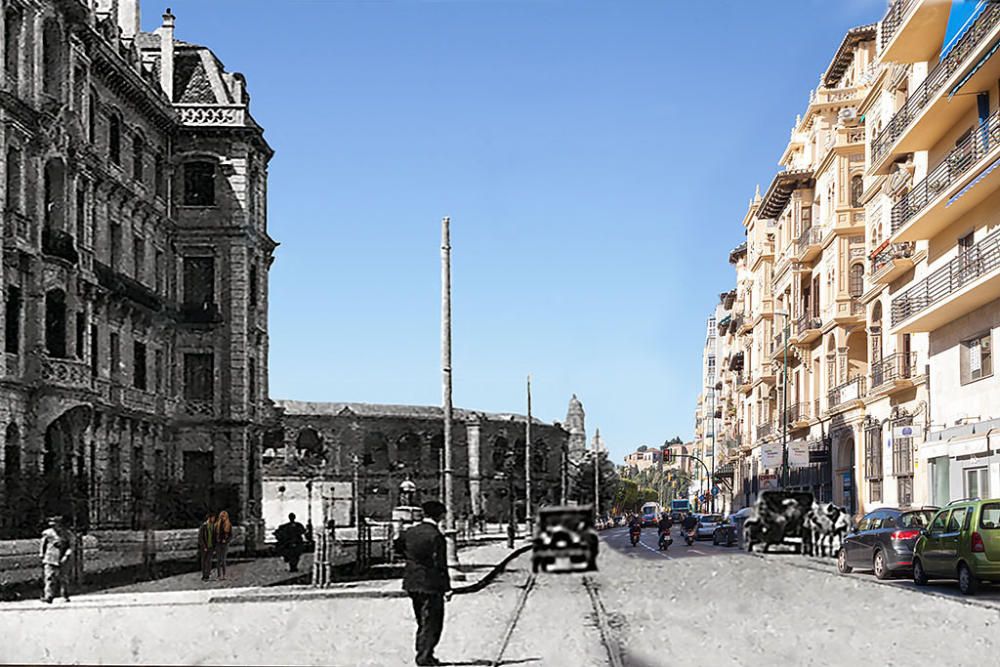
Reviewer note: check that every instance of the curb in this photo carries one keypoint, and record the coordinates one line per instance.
(352, 591)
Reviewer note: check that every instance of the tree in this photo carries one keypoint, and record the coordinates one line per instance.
(581, 480)
(641, 448)
(674, 441)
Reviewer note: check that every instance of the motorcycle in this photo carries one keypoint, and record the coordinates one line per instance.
(689, 536)
(633, 535)
(665, 540)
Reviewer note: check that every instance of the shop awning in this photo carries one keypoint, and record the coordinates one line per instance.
(976, 444)
(963, 14)
(982, 61)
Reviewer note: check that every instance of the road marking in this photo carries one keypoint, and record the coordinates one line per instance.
(655, 551)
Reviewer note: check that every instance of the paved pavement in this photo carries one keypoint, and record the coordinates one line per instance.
(688, 606)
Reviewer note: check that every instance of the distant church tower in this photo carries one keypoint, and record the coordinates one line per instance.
(576, 427)
(598, 443)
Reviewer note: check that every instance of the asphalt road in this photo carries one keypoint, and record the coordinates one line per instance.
(647, 548)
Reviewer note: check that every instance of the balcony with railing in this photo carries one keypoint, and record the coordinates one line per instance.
(809, 244)
(932, 108)
(913, 29)
(796, 416)
(762, 250)
(947, 193)
(967, 282)
(212, 115)
(57, 243)
(65, 373)
(889, 263)
(744, 382)
(850, 310)
(16, 227)
(892, 373)
(808, 329)
(763, 430)
(844, 395)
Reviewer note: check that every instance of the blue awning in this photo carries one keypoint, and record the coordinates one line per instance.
(963, 15)
(993, 165)
(982, 61)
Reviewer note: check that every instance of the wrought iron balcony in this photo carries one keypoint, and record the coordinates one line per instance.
(807, 323)
(927, 91)
(808, 244)
(199, 313)
(16, 226)
(893, 19)
(976, 262)
(894, 367)
(127, 288)
(890, 262)
(797, 412)
(763, 430)
(851, 390)
(959, 161)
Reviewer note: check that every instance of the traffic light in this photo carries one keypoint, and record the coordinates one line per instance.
(666, 455)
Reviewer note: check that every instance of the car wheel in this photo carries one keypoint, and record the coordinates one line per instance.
(919, 576)
(967, 582)
(715, 540)
(842, 565)
(880, 567)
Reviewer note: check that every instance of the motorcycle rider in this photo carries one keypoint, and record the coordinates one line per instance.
(634, 527)
(664, 525)
(689, 523)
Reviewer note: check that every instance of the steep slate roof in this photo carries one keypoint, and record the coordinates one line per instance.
(324, 409)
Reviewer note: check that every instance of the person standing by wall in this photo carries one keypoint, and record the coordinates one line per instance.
(290, 539)
(56, 549)
(426, 579)
(223, 533)
(206, 545)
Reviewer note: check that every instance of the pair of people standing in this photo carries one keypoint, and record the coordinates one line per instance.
(213, 542)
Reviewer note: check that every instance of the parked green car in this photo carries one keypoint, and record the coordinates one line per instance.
(962, 542)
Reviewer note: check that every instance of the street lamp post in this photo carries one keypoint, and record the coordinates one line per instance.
(784, 402)
(527, 465)
(449, 494)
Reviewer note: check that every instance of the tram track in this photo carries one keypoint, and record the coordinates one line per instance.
(602, 624)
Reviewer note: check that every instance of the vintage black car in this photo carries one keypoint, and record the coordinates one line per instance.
(565, 538)
(779, 518)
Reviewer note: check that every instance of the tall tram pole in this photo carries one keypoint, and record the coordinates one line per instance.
(449, 490)
(527, 465)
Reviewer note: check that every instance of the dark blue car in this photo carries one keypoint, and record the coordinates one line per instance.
(883, 541)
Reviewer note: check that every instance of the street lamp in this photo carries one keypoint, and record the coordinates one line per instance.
(784, 401)
(711, 413)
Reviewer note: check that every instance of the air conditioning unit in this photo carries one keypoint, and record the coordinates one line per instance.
(848, 116)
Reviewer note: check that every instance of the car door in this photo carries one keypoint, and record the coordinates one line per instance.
(866, 551)
(853, 547)
(929, 552)
(949, 544)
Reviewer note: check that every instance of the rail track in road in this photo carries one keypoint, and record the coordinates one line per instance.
(600, 617)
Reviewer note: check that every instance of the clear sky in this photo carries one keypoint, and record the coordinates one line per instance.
(596, 159)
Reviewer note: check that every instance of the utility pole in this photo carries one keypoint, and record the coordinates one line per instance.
(449, 492)
(597, 474)
(527, 465)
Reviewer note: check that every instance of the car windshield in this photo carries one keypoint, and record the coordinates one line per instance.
(989, 517)
(711, 518)
(918, 519)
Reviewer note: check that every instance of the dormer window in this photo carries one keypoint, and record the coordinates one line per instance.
(199, 184)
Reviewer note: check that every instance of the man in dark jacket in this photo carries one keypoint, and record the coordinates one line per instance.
(426, 579)
(290, 539)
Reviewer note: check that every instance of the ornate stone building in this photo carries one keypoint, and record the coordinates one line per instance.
(135, 257)
(385, 444)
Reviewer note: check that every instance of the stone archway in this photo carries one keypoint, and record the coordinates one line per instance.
(65, 489)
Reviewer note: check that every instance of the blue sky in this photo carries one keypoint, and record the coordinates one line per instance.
(596, 159)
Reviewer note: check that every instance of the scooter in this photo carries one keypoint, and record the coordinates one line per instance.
(665, 540)
(633, 535)
(689, 536)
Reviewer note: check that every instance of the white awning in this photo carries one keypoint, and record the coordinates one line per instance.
(929, 451)
(976, 444)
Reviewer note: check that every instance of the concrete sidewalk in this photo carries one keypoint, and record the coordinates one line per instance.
(264, 579)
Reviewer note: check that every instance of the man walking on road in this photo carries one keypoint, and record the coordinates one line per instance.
(426, 579)
(56, 548)
(206, 545)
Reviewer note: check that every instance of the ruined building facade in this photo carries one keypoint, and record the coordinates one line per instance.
(135, 259)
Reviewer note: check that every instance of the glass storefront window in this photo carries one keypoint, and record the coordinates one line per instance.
(940, 487)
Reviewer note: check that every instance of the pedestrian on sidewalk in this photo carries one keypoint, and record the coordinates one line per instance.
(291, 540)
(223, 533)
(426, 579)
(56, 548)
(206, 545)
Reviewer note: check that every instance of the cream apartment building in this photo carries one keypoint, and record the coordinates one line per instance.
(934, 149)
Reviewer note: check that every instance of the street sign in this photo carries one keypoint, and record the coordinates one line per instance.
(904, 431)
(715, 490)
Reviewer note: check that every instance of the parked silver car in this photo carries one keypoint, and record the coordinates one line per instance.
(707, 523)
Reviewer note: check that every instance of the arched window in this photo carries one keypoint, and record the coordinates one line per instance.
(857, 188)
(55, 324)
(199, 184)
(115, 139)
(55, 194)
(856, 280)
(137, 152)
